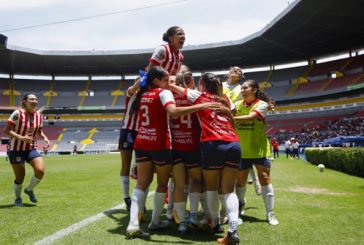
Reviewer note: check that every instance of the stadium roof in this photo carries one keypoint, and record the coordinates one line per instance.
(306, 29)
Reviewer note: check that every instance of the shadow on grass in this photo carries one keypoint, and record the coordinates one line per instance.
(26, 205)
(161, 236)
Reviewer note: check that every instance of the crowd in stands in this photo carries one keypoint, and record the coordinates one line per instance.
(345, 126)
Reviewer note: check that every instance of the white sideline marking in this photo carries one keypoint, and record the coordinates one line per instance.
(70, 229)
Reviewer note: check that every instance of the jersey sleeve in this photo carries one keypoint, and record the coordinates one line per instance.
(166, 98)
(192, 95)
(14, 117)
(262, 110)
(158, 56)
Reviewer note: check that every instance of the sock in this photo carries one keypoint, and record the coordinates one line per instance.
(252, 175)
(170, 194)
(240, 192)
(17, 189)
(268, 197)
(203, 200)
(34, 181)
(232, 209)
(125, 185)
(213, 204)
(158, 205)
(194, 200)
(222, 202)
(181, 210)
(137, 205)
(145, 197)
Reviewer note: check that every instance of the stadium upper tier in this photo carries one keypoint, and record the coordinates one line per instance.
(306, 29)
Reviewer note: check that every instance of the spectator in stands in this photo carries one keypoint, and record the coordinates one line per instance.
(220, 152)
(24, 126)
(127, 136)
(275, 145)
(155, 105)
(295, 145)
(287, 146)
(251, 127)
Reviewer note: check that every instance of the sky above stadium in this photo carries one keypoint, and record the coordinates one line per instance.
(125, 24)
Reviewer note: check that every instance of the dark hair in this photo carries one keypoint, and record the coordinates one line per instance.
(26, 97)
(181, 75)
(156, 72)
(259, 93)
(169, 33)
(213, 85)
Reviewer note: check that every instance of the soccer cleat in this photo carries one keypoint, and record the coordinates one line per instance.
(205, 220)
(169, 214)
(18, 202)
(272, 220)
(127, 203)
(162, 224)
(223, 217)
(136, 233)
(134, 172)
(216, 227)
(231, 238)
(192, 222)
(31, 195)
(241, 207)
(182, 228)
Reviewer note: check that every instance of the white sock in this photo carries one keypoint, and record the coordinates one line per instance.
(203, 200)
(268, 197)
(240, 192)
(158, 205)
(252, 175)
(232, 209)
(222, 202)
(170, 194)
(17, 189)
(194, 200)
(180, 208)
(213, 204)
(34, 181)
(137, 198)
(125, 182)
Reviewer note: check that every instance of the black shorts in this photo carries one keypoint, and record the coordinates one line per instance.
(159, 158)
(218, 154)
(191, 159)
(246, 163)
(126, 139)
(19, 157)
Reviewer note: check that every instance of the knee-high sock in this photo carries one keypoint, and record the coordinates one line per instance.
(222, 202)
(204, 205)
(34, 181)
(240, 192)
(17, 189)
(137, 199)
(125, 182)
(252, 175)
(194, 200)
(232, 209)
(213, 204)
(158, 205)
(170, 194)
(268, 197)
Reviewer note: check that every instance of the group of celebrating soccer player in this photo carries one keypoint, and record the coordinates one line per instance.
(206, 139)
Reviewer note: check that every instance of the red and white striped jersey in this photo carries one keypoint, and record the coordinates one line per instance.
(186, 129)
(153, 129)
(24, 124)
(130, 121)
(164, 56)
(214, 125)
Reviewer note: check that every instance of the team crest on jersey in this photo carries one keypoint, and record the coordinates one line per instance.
(125, 144)
(18, 159)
